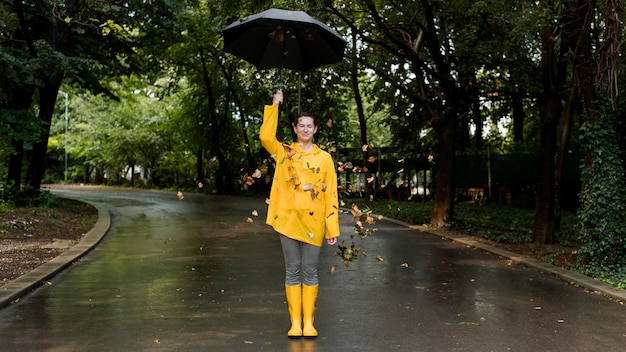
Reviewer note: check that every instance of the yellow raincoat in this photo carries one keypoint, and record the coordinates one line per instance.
(303, 200)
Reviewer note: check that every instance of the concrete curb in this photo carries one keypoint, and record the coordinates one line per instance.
(12, 291)
(571, 277)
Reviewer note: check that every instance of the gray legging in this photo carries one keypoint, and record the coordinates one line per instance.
(300, 257)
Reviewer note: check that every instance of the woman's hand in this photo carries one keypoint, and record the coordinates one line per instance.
(278, 98)
(331, 241)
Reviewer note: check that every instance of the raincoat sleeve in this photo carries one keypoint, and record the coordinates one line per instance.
(267, 134)
(332, 201)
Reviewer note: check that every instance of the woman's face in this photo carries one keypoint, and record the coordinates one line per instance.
(305, 129)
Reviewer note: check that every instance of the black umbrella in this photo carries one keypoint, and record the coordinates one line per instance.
(283, 39)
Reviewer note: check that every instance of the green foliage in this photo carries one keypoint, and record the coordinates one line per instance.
(602, 213)
(503, 224)
(109, 136)
(24, 197)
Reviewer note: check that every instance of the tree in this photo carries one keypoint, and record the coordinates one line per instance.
(602, 211)
(51, 41)
(114, 137)
(426, 55)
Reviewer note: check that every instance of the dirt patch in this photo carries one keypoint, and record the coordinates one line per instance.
(32, 236)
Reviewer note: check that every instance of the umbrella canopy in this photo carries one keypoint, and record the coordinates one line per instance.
(283, 39)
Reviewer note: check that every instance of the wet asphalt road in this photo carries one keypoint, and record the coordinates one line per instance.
(194, 275)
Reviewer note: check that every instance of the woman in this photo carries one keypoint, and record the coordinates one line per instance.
(303, 209)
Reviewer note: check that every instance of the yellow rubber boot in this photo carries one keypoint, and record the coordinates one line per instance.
(309, 297)
(294, 301)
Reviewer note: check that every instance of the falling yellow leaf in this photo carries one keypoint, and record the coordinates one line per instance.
(257, 173)
(332, 149)
(405, 265)
(401, 160)
(200, 184)
(333, 269)
(267, 201)
(364, 147)
(400, 171)
(156, 341)
(370, 179)
(379, 258)
(431, 158)
(371, 159)
(249, 220)
(329, 123)
(180, 195)
(255, 213)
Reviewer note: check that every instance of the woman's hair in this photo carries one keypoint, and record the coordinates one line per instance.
(303, 114)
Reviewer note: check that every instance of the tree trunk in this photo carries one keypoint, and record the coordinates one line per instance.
(222, 178)
(563, 135)
(443, 207)
(543, 227)
(518, 116)
(242, 117)
(354, 79)
(20, 102)
(479, 140)
(199, 163)
(47, 99)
